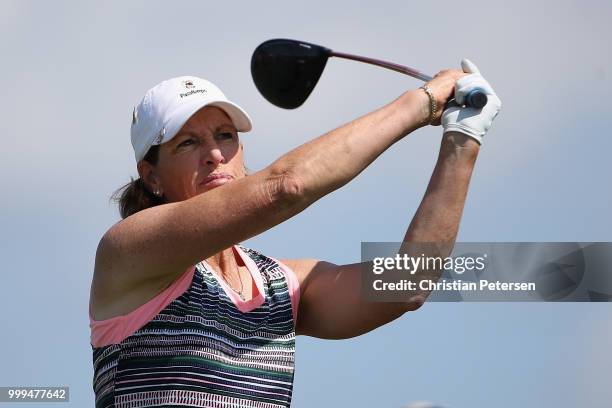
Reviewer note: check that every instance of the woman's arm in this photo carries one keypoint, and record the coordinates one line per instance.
(331, 301)
(156, 245)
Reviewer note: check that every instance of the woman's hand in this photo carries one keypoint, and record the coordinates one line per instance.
(472, 122)
(443, 88)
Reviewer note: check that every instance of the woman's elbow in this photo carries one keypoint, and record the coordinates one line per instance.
(285, 190)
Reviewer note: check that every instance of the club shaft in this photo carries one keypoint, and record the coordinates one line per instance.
(385, 64)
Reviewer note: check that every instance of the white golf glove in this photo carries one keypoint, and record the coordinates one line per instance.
(465, 119)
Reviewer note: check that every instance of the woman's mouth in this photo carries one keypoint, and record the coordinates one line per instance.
(216, 179)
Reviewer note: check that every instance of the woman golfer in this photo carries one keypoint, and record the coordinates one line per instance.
(184, 315)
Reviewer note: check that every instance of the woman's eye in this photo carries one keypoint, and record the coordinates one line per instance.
(226, 135)
(186, 142)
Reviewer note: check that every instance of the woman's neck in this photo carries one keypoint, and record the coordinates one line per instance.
(224, 262)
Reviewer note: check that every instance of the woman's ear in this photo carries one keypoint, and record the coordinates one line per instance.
(149, 177)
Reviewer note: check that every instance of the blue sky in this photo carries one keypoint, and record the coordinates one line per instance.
(72, 71)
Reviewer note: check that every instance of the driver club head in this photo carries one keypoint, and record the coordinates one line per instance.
(286, 71)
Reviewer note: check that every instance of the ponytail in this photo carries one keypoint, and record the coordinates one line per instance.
(134, 196)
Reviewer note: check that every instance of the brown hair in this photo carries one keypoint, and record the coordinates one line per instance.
(134, 196)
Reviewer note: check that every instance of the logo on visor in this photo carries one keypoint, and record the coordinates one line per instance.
(188, 84)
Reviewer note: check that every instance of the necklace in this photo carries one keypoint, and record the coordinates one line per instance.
(239, 292)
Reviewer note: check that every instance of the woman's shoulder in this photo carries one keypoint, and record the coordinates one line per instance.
(118, 285)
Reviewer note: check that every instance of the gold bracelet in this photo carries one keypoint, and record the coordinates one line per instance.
(433, 106)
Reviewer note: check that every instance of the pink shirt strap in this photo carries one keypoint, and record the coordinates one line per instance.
(294, 287)
(116, 329)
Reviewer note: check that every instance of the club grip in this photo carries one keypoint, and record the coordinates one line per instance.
(476, 99)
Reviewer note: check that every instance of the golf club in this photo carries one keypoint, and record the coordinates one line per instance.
(286, 71)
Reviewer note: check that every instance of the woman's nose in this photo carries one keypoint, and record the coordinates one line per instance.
(213, 156)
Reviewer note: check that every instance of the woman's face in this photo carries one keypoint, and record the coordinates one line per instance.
(204, 154)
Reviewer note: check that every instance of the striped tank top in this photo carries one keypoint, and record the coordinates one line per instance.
(198, 344)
